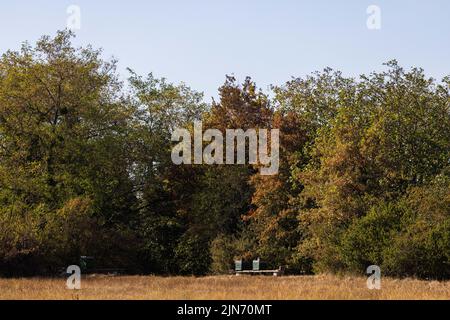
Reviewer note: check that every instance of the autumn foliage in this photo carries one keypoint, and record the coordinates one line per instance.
(85, 169)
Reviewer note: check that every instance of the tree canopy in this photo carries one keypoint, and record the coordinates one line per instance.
(86, 169)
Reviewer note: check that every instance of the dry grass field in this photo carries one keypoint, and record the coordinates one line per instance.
(222, 287)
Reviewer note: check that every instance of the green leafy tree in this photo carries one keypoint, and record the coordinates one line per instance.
(63, 132)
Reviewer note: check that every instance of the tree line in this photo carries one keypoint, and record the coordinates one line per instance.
(85, 169)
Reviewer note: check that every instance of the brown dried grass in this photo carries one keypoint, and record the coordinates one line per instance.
(222, 287)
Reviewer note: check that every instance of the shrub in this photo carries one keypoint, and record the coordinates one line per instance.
(366, 239)
(192, 253)
(222, 254)
(422, 249)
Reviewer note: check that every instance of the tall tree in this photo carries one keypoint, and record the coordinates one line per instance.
(63, 150)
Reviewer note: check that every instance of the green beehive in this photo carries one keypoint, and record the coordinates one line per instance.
(256, 264)
(86, 263)
(238, 265)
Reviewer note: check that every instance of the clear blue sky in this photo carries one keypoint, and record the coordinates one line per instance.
(198, 42)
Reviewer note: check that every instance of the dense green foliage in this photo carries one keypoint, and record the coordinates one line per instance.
(86, 169)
